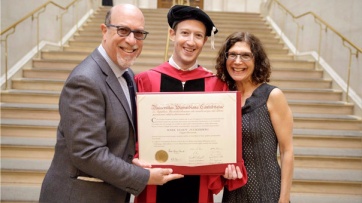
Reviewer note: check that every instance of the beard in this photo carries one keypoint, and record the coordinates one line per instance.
(125, 62)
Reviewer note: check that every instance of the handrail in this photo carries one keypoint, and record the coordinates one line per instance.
(322, 21)
(327, 26)
(181, 2)
(34, 11)
(12, 27)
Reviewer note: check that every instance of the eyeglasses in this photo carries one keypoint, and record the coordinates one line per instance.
(244, 56)
(125, 31)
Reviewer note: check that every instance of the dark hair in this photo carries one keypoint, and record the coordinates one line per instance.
(108, 17)
(262, 68)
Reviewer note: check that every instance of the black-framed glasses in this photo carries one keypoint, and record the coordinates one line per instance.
(244, 56)
(123, 31)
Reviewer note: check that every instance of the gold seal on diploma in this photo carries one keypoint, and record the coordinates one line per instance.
(161, 156)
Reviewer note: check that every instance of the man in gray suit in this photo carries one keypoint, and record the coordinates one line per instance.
(93, 160)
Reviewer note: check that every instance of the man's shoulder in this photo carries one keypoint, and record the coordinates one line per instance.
(154, 70)
(203, 69)
(145, 73)
(88, 68)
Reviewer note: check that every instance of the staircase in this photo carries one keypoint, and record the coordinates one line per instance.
(327, 135)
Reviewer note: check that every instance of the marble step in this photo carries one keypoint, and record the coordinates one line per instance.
(341, 157)
(52, 97)
(29, 128)
(29, 111)
(57, 84)
(306, 180)
(142, 65)
(31, 192)
(321, 107)
(50, 111)
(145, 55)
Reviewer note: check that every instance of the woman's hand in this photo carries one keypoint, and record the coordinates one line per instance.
(232, 172)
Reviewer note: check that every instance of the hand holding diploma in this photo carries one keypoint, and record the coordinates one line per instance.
(158, 176)
(233, 172)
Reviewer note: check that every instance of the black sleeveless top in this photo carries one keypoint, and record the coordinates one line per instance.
(260, 146)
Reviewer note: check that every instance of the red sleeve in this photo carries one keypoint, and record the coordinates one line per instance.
(145, 84)
(136, 155)
(215, 84)
(149, 81)
(139, 79)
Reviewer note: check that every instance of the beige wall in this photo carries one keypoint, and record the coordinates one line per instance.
(25, 37)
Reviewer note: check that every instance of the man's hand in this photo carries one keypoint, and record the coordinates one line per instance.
(232, 172)
(160, 176)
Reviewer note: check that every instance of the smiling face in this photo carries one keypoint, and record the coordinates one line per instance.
(189, 38)
(123, 51)
(241, 71)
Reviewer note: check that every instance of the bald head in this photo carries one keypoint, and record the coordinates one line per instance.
(125, 9)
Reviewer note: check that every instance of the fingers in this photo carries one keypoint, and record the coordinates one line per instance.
(160, 176)
(234, 175)
(232, 172)
(170, 177)
(166, 171)
(238, 171)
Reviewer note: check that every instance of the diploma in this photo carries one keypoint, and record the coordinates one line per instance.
(195, 133)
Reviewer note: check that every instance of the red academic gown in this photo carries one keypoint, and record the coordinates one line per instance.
(166, 78)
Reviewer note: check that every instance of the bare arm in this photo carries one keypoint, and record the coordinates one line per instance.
(282, 120)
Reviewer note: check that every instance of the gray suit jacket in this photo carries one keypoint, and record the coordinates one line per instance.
(95, 138)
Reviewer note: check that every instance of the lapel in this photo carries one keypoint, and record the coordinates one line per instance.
(112, 82)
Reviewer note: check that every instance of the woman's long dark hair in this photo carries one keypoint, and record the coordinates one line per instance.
(262, 68)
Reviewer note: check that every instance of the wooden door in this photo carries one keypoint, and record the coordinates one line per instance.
(168, 3)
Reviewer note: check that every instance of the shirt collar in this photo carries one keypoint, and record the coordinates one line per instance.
(173, 64)
(117, 71)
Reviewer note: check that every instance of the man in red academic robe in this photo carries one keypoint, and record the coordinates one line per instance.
(190, 29)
